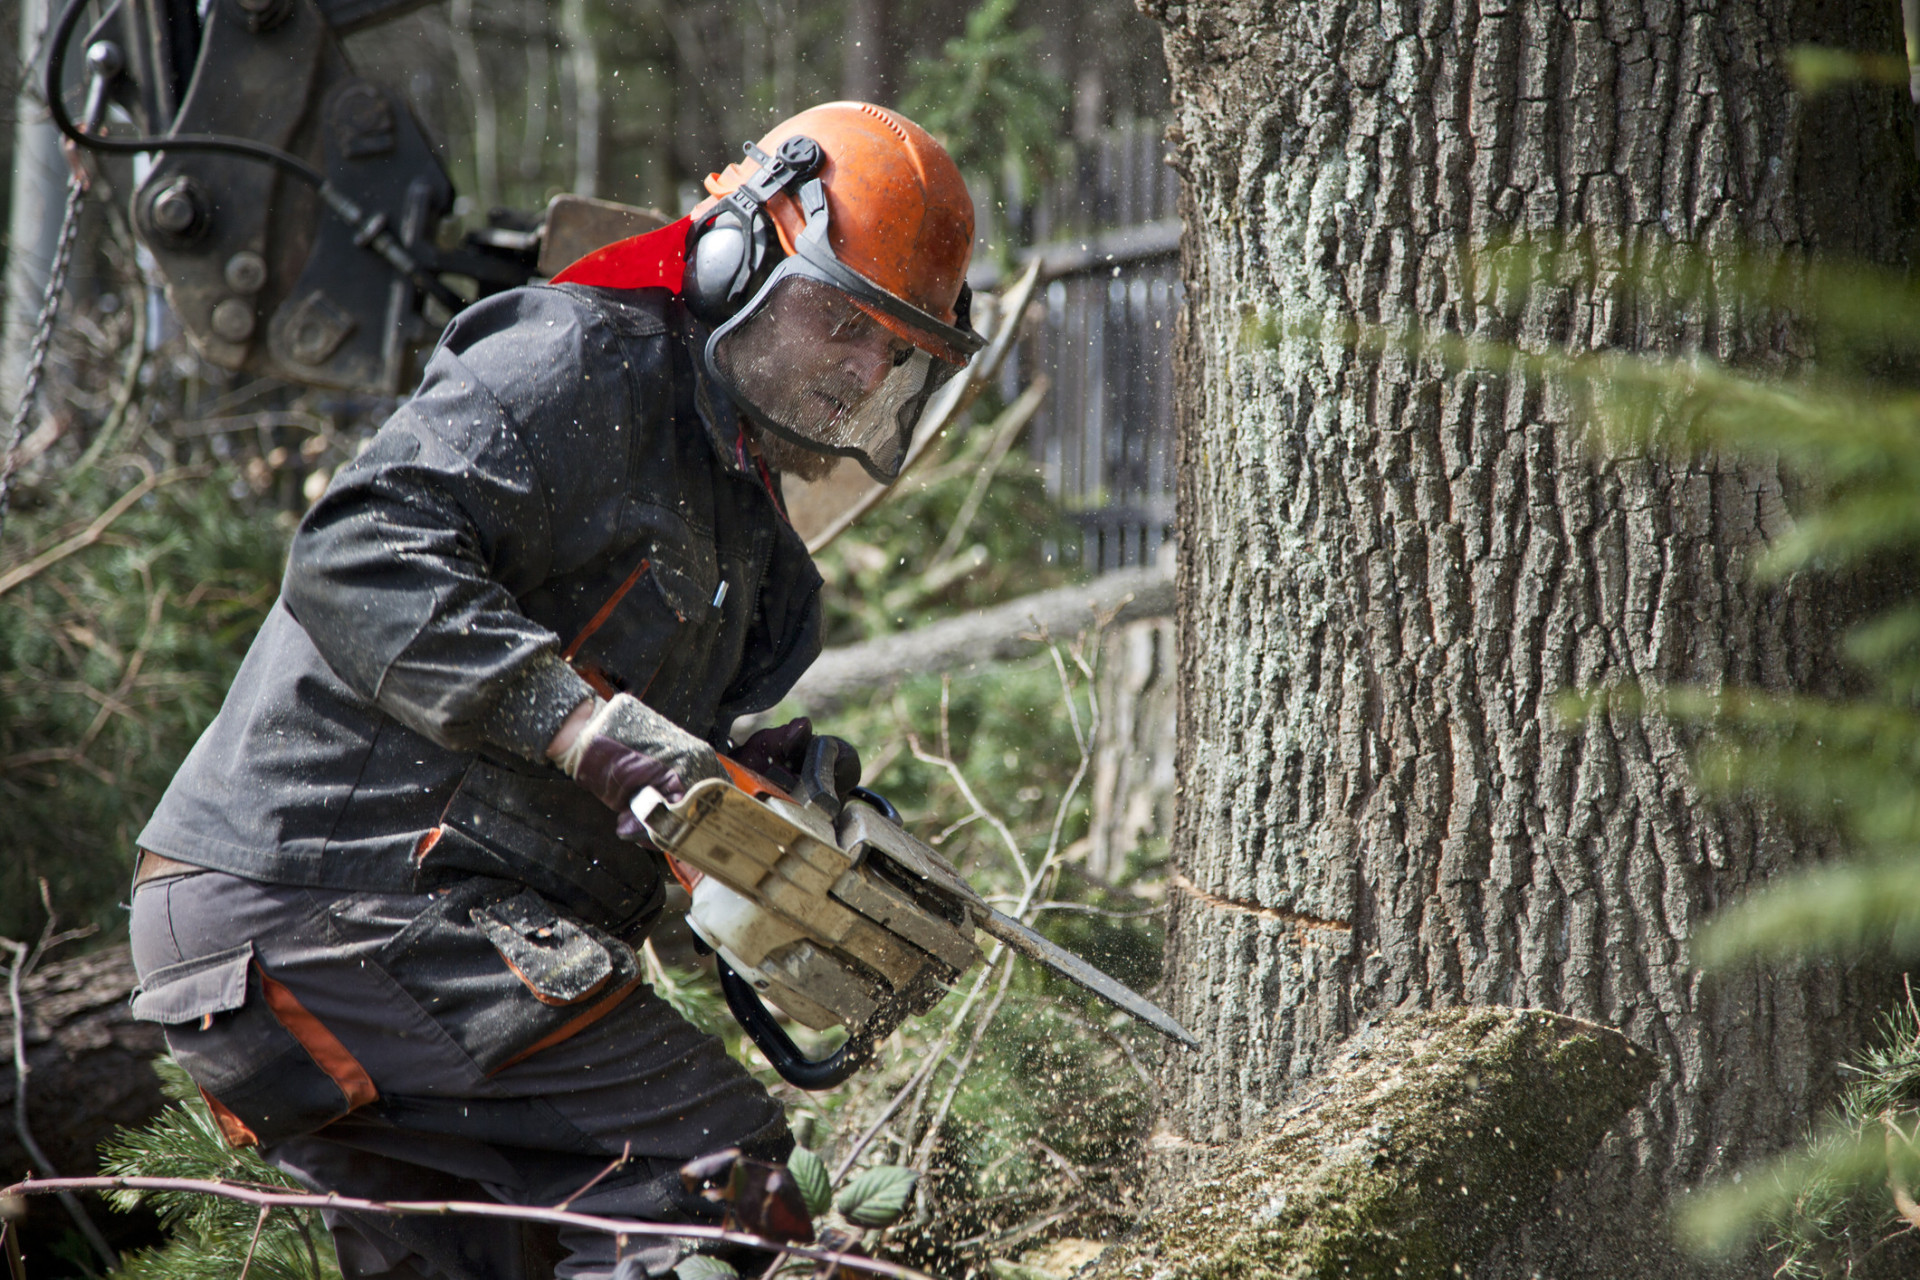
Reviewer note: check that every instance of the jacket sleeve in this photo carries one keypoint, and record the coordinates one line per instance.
(405, 574)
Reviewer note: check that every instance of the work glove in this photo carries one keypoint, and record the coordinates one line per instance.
(776, 754)
(816, 769)
(626, 746)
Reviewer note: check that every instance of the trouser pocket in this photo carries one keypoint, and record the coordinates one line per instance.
(504, 973)
(267, 1068)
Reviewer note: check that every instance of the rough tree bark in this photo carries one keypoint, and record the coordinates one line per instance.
(1388, 571)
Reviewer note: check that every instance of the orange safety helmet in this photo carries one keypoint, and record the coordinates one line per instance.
(837, 336)
(903, 217)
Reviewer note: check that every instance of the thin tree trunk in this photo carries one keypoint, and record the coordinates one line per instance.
(533, 139)
(867, 52)
(39, 196)
(1388, 571)
(479, 91)
(585, 63)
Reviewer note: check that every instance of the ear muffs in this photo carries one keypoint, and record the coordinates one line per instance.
(731, 254)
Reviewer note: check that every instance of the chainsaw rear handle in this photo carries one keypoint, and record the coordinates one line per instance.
(878, 801)
(795, 1067)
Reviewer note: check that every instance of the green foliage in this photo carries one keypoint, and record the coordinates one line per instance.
(112, 660)
(1830, 1205)
(883, 576)
(1817, 69)
(1043, 1113)
(990, 100)
(810, 1171)
(876, 1197)
(701, 1267)
(211, 1236)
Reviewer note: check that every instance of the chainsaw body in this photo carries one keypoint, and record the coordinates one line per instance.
(840, 921)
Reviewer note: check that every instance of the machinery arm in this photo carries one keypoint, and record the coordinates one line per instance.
(292, 206)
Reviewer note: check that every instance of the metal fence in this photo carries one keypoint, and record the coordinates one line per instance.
(1109, 234)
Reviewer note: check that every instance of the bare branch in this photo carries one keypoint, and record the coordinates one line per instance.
(457, 1208)
(95, 531)
(259, 1225)
(925, 1151)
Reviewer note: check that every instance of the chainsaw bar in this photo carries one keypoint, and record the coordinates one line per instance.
(1035, 946)
(801, 892)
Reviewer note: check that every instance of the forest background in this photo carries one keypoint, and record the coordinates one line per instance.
(151, 516)
(118, 636)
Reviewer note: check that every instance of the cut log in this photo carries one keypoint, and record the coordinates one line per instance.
(1428, 1140)
(988, 635)
(91, 1063)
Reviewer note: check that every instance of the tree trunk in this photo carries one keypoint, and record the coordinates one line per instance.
(583, 62)
(868, 52)
(39, 196)
(1388, 571)
(1131, 795)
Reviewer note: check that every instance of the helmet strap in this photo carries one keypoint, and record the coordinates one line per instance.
(733, 248)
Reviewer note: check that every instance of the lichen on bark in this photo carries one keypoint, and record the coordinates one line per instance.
(1428, 1139)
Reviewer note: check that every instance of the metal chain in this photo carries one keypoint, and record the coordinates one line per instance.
(42, 340)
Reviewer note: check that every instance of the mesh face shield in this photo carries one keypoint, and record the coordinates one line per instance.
(830, 360)
(806, 361)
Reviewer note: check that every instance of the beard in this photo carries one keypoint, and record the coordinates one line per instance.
(791, 459)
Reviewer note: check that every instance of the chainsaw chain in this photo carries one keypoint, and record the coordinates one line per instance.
(42, 341)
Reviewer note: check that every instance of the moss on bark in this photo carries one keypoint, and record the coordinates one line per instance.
(1429, 1139)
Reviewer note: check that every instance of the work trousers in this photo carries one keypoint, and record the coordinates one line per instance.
(463, 1044)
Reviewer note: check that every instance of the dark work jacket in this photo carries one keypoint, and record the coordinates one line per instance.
(552, 489)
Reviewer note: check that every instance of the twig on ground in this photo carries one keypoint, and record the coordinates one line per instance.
(458, 1208)
(25, 959)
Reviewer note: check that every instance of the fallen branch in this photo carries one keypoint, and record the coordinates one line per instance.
(1005, 430)
(985, 635)
(617, 1227)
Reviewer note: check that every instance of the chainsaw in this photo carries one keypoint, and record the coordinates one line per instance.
(821, 902)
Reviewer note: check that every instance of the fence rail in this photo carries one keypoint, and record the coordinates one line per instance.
(1109, 237)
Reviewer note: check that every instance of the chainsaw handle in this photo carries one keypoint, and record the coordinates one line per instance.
(794, 1066)
(878, 801)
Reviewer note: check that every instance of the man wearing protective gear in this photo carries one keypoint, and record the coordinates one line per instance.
(386, 910)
